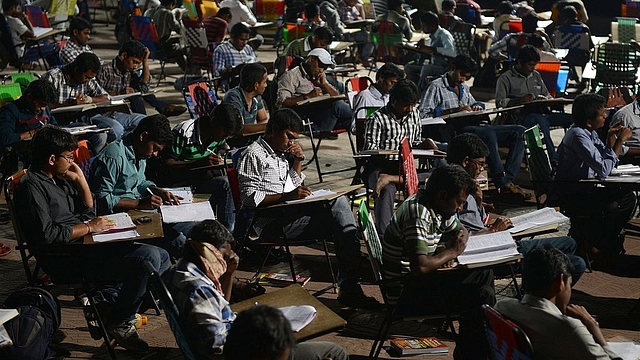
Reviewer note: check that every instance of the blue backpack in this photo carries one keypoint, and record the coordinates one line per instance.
(33, 329)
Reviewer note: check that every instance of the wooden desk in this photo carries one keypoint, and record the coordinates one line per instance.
(151, 230)
(213, 167)
(322, 199)
(357, 24)
(325, 321)
(467, 114)
(411, 47)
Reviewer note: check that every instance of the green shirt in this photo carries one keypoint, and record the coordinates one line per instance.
(187, 144)
(236, 97)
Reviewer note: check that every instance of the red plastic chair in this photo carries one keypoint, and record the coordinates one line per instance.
(506, 340)
(200, 99)
(408, 168)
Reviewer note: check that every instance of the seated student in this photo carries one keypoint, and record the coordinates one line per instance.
(234, 51)
(241, 13)
(377, 95)
(20, 119)
(468, 151)
(247, 98)
(507, 47)
(167, 21)
(350, 11)
(447, 16)
(576, 57)
(308, 80)
(321, 38)
(200, 143)
(558, 16)
(396, 15)
(79, 33)
(312, 19)
(540, 44)
(76, 84)
(629, 116)
(55, 207)
(422, 222)
(216, 26)
(119, 182)
(449, 94)
(556, 328)
(523, 83)
(441, 46)
(118, 77)
(505, 13)
(273, 339)
(598, 213)
(201, 284)
(270, 172)
(331, 16)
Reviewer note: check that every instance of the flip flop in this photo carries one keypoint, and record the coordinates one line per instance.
(4, 249)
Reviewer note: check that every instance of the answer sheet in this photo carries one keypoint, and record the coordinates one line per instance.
(542, 217)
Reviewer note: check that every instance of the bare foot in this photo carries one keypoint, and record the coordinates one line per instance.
(383, 180)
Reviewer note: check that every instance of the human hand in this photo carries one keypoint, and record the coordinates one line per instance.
(233, 260)
(322, 79)
(295, 149)
(459, 241)
(478, 195)
(129, 90)
(527, 98)
(214, 159)
(464, 108)
(73, 173)
(150, 202)
(168, 197)
(580, 313)
(541, 97)
(476, 108)
(502, 223)
(624, 134)
(80, 99)
(300, 192)
(147, 52)
(100, 224)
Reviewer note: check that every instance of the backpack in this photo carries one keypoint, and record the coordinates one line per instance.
(33, 329)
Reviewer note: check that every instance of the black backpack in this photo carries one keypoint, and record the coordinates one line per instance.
(33, 329)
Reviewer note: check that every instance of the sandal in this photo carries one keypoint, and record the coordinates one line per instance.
(4, 249)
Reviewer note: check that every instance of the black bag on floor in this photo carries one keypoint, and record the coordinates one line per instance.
(33, 329)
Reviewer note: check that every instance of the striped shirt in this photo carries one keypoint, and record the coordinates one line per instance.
(226, 55)
(440, 96)
(382, 131)
(215, 28)
(413, 230)
(236, 97)
(67, 92)
(187, 144)
(111, 79)
(348, 13)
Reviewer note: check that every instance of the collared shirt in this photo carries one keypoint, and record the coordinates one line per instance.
(382, 131)
(262, 172)
(510, 41)
(442, 40)
(472, 215)
(16, 118)
(513, 85)
(71, 50)
(239, 12)
(403, 22)
(629, 116)
(414, 229)
(67, 92)
(226, 55)
(299, 47)
(18, 28)
(329, 11)
(440, 96)
(49, 207)
(216, 28)
(187, 142)
(165, 22)
(554, 336)
(112, 79)
(117, 174)
(347, 13)
(236, 97)
(293, 83)
(370, 97)
(502, 22)
(204, 313)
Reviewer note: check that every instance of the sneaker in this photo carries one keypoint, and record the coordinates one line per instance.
(174, 110)
(4, 249)
(512, 188)
(126, 335)
(357, 299)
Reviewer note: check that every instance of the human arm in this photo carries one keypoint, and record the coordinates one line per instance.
(448, 47)
(146, 73)
(288, 85)
(325, 86)
(503, 93)
(617, 136)
(456, 242)
(587, 341)
(593, 153)
(21, 25)
(247, 15)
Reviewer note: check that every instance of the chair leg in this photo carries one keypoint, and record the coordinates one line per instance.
(103, 328)
(315, 147)
(293, 270)
(515, 282)
(156, 307)
(264, 261)
(382, 336)
(333, 275)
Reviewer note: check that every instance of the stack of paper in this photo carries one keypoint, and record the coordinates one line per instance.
(124, 229)
(488, 247)
(626, 169)
(542, 217)
(299, 316)
(184, 192)
(314, 194)
(626, 350)
(187, 212)
(6, 315)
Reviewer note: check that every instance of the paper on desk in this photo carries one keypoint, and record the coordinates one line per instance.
(5, 339)
(122, 220)
(299, 316)
(39, 31)
(105, 237)
(184, 192)
(124, 96)
(7, 314)
(542, 217)
(187, 212)
(488, 247)
(433, 121)
(625, 169)
(626, 350)
(314, 194)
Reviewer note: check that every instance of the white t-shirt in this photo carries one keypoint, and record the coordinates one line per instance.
(18, 28)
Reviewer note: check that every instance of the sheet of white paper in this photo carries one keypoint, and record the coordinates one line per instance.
(38, 31)
(7, 314)
(122, 220)
(124, 96)
(489, 242)
(184, 192)
(187, 212)
(542, 217)
(104, 237)
(5, 339)
(626, 350)
(626, 169)
(433, 121)
(299, 316)
(314, 194)
(486, 257)
(423, 152)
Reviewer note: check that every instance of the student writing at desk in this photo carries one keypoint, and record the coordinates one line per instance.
(233, 52)
(247, 98)
(270, 172)
(55, 206)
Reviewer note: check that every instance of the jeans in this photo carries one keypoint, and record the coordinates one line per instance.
(545, 121)
(503, 135)
(97, 141)
(175, 235)
(122, 262)
(119, 123)
(365, 46)
(313, 350)
(137, 104)
(327, 118)
(566, 244)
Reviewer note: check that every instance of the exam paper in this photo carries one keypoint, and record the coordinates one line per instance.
(187, 212)
(314, 194)
(542, 217)
(299, 316)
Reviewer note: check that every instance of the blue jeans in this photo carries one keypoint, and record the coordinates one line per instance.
(545, 121)
(137, 104)
(97, 141)
(119, 123)
(503, 135)
(327, 118)
(221, 199)
(175, 235)
(566, 244)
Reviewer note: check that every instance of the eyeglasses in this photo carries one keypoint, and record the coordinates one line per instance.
(69, 158)
(479, 165)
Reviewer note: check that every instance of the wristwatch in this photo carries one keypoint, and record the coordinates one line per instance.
(299, 158)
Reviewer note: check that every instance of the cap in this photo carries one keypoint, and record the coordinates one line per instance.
(323, 56)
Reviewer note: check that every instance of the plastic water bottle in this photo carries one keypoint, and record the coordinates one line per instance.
(191, 9)
(141, 320)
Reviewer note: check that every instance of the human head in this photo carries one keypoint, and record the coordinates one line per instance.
(546, 272)
(226, 120)
(569, 13)
(51, 150)
(430, 22)
(80, 30)
(271, 335)
(151, 135)
(530, 22)
(536, 41)
(132, 54)
(84, 68)
(169, 4)
(387, 76)
(462, 67)
(10, 6)
(322, 37)
(403, 96)
(317, 61)
(468, 151)
(253, 78)
(449, 6)
(282, 129)
(395, 5)
(588, 110)
(505, 7)
(311, 11)
(239, 35)
(38, 94)
(526, 60)
(447, 189)
(225, 14)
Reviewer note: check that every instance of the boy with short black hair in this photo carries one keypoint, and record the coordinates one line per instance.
(79, 34)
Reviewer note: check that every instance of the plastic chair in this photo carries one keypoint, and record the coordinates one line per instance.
(616, 66)
(292, 32)
(195, 39)
(385, 39)
(200, 99)
(506, 340)
(270, 10)
(23, 78)
(549, 71)
(539, 165)
(9, 93)
(144, 30)
(208, 9)
(408, 168)
(463, 35)
(623, 30)
(37, 16)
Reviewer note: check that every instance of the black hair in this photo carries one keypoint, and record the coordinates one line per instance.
(569, 13)
(133, 48)
(270, 331)
(452, 179)
(157, 127)
(239, 29)
(223, 12)
(8, 4)
(505, 7)
(323, 33)
(250, 74)
(311, 10)
(393, 4)
(466, 145)
(587, 107)
(211, 231)
(429, 19)
(448, 5)
(465, 63)
(284, 119)
(530, 22)
(527, 53)
(79, 23)
(166, 3)
(85, 62)
(535, 40)
(50, 140)
(542, 266)
(390, 70)
(42, 90)
(227, 117)
(404, 90)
